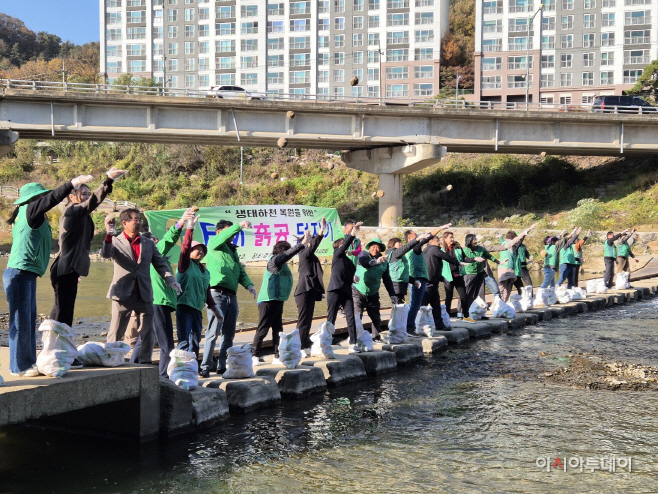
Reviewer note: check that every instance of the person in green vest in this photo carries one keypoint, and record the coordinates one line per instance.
(509, 263)
(568, 259)
(550, 261)
(275, 290)
(578, 248)
(194, 280)
(475, 272)
(624, 252)
(523, 275)
(610, 256)
(398, 263)
(373, 268)
(453, 274)
(28, 260)
(355, 249)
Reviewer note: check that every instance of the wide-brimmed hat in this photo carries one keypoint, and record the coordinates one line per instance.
(29, 192)
(377, 241)
(195, 244)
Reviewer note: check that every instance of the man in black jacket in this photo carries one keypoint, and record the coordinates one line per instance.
(339, 293)
(434, 258)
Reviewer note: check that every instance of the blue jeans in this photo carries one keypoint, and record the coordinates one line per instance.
(415, 302)
(189, 322)
(549, 278)
(228, 304)
(566, 274)
(21, 290)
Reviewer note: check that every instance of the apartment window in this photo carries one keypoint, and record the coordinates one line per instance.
(189, 2)
(300, 25)
(492, 63)
(567, 4)
(590, 4)
(249, 28)
(424, 18)
(494, 26)
(358, 5)
(609, 3)
(373, 21)
(608, 20)
(373, 4)
(204, 64)
(518, 81)
(189, 47)
(588, 78)
(189, 15)
(637, 2)
(397, 4)
(357, 57)
(172, 2)
(565, 100)
(189, 31)
(172, 49)
(587, 99)
(358, 73)
(190, 64)
(204, 14)
(424, 3)
(518, 25)
(397, 73)
(225, 46)
(516, 63)
(547, 80)
(323, 24)
(373, 74)
(249, 79)
(589, 21)
(424, 89)
(158, 3)
(339, 75)
(566, 41)
(607, 39)
(489, 45)
(227, 12)
(136, 66)
(520, 6)
(546, 100)
(274, 43)
(424, 72)
(114, 67)
(275, 77)
(323, 93)
(636, 56)
(323, 76)
(225, 29)
(357, 22)
(300, 42)
(339, 92)
(275, 61)
(157, 32)
(249, 62)
(172, 15)
(588, 40)
(400, 55)
(225, 79)
(567, 22)
(637, 37)
(204, 80)
(566, 60)
(397, 37)
(566, 80)
(519, 43)
(397, 90)
(158, 65)
(424, 54)
(252, 10)
(111, 4)
(548, 61)
(373, 57)
(172, 32)
(588, 59)
(277, 8)
(136, 33)
(492, 7)
(608, 58)
(249, 45)
(548, 42)
(424, 36)
(323, 41)
(339, 41)
(397, 19)
(135, 50)
(357, 91)
(115, 51)
(339, 58)
(631, 76)
(172, 65)
(204, 30)
(136, 17)
(607, 78)
(339, 23)
(492, 82)
(637, 17)
(548, 23)
(323, 58)
(357, 40)
(113, 18)
(225, 63)
(373, 39)
(300, 59)
(339, 5)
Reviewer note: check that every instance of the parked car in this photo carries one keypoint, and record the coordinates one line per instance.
(233, 92)
(624, 104)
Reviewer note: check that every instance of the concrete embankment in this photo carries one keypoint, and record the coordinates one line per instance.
(131, 401)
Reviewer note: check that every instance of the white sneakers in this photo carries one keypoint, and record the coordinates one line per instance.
(306, 352)
(276, 361)
(354, 349)
(255, 361)
(31, 372)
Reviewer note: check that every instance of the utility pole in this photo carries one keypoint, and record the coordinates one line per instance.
(457, 89)
(527, 54)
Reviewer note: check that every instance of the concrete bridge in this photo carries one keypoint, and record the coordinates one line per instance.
(386, 139)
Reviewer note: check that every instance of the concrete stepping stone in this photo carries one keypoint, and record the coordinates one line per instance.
(376, 362)
(455, 336)
(176, 411)
(301, 381)
(342, 369)
(433, 344)
(405, 353)
(244, 395)
(209, 406)
(543, 313)
(475, 329)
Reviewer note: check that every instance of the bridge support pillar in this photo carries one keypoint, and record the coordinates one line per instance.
(390, 163)
(7, 140)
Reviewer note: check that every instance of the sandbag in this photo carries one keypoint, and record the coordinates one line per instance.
(363, 338)
(397, 325)
(563, 295)
(542, 297)
(290, 348)
(103, 354)
(552, 296)
(621, 282)
(515, 302)
(601, 287)
(445, 317)
(592, 284)
(322, 341)
(582, 293)
(239, 364)
(501, 309)
(527, 302)
(425, 321)
(58, 351)
(183, 369)
(478, 309)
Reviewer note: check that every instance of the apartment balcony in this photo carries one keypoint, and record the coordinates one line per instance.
(638, 40)
(636, 21)
(637, 60)
(492, 85)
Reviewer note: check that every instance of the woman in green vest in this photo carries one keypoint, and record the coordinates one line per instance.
(398, 264)
(30, 253)
(550, 261)
(194, 280)
(275, 290)
(624, 252)
(568, 260)
(509, 264)
(475, 272)
(453, 275)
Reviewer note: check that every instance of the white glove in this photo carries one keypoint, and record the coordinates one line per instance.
(418, 284)
(252, 290)
(81, 180)
(394, 300)
(115, 174)
(177, 288)
(218, 314)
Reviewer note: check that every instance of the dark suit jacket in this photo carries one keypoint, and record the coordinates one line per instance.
(310, 270)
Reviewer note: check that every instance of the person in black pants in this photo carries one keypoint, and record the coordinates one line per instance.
(453, 277)
(339, 293)
(434, 257)
(610, 256)
(310, 287)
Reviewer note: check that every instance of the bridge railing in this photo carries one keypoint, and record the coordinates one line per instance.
(404, 100)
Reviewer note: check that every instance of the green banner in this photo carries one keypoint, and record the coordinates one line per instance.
(270, 225)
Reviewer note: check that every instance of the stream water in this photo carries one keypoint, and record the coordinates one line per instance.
(472, 419)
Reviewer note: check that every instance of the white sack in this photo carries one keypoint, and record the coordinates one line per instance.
(58, 351)
(239, 362)
(183, 369)
(425, 321)
(445, 317)
(397, 325)
(515, 302)
(363, 338)
(478, 309)
(103, 354)
(290, 348)
(322, 341)
(501, 309)
(621, 282)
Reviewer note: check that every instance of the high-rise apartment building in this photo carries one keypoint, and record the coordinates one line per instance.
(578, 49)
(297, 47)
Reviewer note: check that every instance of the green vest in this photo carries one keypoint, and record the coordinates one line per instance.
(579, 255)
(163, 294)
(609, 250)
(276, 286)
(475, 267)
(370, 278)
(30, 249)
(568, 256)
(623, 250)
(522, 253)
(355, 245)
(417, 265)
(513, 261)
(399, 270)
(194, 285)
(446, 272)
(550, 259)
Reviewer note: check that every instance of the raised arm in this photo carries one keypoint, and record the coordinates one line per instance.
(281, 259)
(343, 248)
(40, 206)
(399, 253)
(185, 251)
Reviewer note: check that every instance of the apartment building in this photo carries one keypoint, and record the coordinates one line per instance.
(291, 47)
(578, 49)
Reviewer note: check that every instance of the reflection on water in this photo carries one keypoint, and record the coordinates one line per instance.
(473, 419)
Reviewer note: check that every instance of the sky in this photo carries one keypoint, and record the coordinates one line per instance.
(74, 20)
